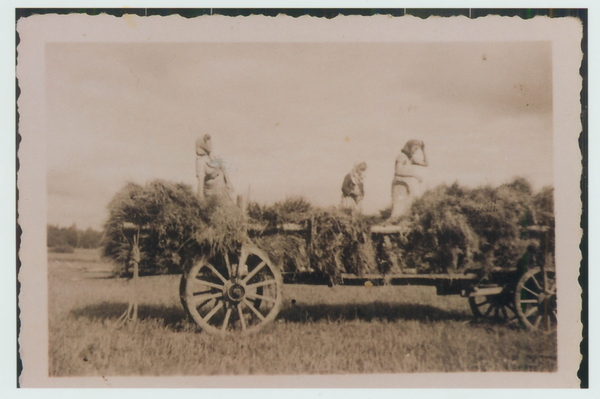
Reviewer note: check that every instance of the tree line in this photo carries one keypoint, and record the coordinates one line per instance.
(66, 239)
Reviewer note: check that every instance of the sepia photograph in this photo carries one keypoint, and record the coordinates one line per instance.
(345, 202)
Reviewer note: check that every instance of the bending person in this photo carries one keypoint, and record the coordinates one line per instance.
(405, 179)
(211, 173)
(353, 190)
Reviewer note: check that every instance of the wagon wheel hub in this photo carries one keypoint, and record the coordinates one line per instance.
(542, 297)
(551, 302)
(236, 292)
(547, 299)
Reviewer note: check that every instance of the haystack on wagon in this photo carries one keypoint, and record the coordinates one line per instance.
(240, 292)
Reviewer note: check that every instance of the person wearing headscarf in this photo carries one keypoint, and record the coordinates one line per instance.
(405, 179)
(353, 190)
(211, 173)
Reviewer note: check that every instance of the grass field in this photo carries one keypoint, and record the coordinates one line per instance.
(323, 330)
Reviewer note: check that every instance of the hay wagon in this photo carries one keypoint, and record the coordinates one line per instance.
(242, 292)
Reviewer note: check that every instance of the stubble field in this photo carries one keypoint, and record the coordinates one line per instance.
(320, 330)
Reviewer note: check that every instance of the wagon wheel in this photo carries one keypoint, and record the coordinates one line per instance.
(535, 300)
(499, 307)
(233, 294)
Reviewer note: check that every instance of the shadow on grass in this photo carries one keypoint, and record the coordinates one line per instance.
(369, 312)
(171, 315)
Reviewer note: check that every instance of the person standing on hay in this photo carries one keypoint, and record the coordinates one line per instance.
(405, 179)
(353, 190)
(213, 181)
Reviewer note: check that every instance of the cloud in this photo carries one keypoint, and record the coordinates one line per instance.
(495, 79)
(291, 119)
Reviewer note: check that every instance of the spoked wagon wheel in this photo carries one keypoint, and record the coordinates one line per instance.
(498, 307)
(235, 294)
(535, 300)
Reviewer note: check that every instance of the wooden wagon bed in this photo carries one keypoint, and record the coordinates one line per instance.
(240, 293)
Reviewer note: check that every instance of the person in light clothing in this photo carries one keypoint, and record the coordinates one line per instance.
(405, 179)
(211, 172)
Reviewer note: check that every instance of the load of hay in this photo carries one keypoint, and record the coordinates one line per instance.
(171, 225)
(456, 229)
(333, 241)
(450, 229)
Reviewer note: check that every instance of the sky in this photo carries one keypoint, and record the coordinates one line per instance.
(291, 119)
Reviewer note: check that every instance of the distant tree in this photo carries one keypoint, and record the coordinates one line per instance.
(72, 237)
(62, 236)
(54, 237)
(89, 238)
